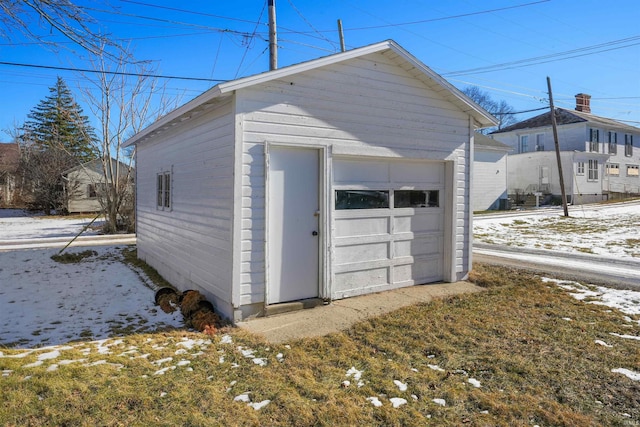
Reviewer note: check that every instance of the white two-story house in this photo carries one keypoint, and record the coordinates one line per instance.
(598, 156)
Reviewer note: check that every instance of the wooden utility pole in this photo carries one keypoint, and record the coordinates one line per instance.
(341, 34)
(273, 38)
(555, 139)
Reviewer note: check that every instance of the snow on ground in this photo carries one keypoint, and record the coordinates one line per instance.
(44, 302)
(607, 230)
(18, 224)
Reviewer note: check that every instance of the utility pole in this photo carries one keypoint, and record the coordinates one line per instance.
(273, 39)
(555, 139)
(341, 34)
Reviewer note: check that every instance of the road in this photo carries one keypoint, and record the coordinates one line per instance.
(612, 272)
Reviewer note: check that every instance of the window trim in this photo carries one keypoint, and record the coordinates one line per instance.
(579, 168)
(635, 168)
(164, 188)
(613, 142)
(612, 166)
(523, 143)
(594, 140)
(592, 170)
(628, 145)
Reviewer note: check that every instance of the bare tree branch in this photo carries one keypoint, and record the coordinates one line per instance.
(63, 16)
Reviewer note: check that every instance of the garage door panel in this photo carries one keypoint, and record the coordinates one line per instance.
(418, 223)
(362, 252)
(418, 247)
(421, 270)
(347, 282)
(349, 227)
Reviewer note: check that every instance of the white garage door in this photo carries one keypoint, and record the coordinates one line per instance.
(388, 225)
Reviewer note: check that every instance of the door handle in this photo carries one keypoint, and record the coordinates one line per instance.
(314, 233)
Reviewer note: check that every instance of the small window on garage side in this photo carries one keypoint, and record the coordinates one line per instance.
(362, 199)
(416, 199)
(163, 190)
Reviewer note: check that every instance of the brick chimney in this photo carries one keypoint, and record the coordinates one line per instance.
(582, 102)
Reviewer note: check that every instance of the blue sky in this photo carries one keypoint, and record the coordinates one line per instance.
(507, 48)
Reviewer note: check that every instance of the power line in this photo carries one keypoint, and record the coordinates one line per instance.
(444, 18)
(114, 73)
(548, 58)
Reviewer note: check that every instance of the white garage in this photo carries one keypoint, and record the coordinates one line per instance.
(388, 224)
(345, 175)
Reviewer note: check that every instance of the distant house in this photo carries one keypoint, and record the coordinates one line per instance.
(341, 176)
(489, 181)
(599, 159)
(85, 186)
(9, 163)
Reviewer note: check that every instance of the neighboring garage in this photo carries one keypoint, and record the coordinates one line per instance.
(341, 176)
(389, 224)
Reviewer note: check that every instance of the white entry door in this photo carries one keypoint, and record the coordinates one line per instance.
(293, 224)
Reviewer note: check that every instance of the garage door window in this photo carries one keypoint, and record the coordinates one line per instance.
(362, 199)
(416, 199)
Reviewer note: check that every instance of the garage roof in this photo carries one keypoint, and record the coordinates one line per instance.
(390, 48)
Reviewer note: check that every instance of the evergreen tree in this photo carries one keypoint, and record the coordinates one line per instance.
(58, 122)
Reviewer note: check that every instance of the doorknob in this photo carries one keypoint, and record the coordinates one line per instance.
(314, 233)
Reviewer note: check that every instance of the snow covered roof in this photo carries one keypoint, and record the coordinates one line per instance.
(389, 48)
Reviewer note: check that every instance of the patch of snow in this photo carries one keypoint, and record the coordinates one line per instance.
(355, 373)
(244, 397)
(183, 362)
(161, 361)
(474, 382)
(280, 357)
(226, 339)
(375, 401)
(73, 300)
(602, 343)
(260, 361)
(436, 368)
(635, 376)
(259, 405)
(628, 337)
(397, 402)
(440, 402)
(401, 386)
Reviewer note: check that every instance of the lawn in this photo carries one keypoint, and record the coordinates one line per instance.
(524, 352)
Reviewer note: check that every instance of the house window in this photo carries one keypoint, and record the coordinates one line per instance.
(540, 142)
(163, 188)
(594, 139)
(524, 143)
(580, 168)
(416, 199)
(632, 170)
(96, 190)
(628, 145)
(613, 169)
(593, 170)
(613, 143)
(362, 199)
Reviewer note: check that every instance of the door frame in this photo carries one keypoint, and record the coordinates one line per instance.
(324, 175)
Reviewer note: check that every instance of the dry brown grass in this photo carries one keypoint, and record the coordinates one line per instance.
(534, 367)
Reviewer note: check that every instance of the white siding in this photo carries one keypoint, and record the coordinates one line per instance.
(366, 102)
(489, 178)
(190, 244)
